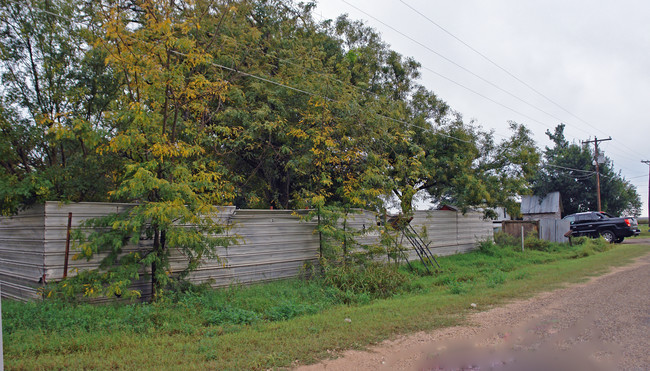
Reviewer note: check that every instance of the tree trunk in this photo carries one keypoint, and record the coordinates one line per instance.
(154, 265)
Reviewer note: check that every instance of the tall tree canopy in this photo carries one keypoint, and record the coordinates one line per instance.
(569, 169)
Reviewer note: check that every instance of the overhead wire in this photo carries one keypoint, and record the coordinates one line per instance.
(502, 68)
(475, 74)
(378, 114)
(457, 65)
(497, 65)
(568, 168)
(357, 88)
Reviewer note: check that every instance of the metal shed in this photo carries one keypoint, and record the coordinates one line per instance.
(537, 208)
(547, 211)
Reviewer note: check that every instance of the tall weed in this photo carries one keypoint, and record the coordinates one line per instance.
(504, 239)
(373, 279)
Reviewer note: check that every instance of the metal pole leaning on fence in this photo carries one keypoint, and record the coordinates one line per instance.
(522, 238)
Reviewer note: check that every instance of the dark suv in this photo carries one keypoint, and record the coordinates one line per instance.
(594, 224)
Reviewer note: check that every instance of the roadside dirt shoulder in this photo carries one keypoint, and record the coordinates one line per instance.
(600, 324)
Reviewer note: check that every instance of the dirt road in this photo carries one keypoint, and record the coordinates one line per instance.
(603, 324)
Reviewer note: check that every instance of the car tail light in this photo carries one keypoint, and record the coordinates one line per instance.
(627, 221)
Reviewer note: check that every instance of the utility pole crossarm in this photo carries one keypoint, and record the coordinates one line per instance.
(595, 142)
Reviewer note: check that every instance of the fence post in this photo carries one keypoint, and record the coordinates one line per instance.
(320, 236)
(67, 246)
(522, 238)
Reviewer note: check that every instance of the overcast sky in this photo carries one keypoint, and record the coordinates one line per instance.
(590, 60)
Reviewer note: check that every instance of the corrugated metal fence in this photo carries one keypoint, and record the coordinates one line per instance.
(513, 227)
(554, 229)
(273, 244)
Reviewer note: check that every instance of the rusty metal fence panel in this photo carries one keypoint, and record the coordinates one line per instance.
(513, 227)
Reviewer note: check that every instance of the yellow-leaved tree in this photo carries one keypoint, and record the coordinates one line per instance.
(160, 130)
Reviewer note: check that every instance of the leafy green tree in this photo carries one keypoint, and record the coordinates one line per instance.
(569, 169)
(56, 89)
(508, 168)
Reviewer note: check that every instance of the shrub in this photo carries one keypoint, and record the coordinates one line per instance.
(600, 244)
(486, 247)
(504, 239)
(377, 280)
(230, 315)
(288, 310)
(533, 243)
(580, 240)
(458, 288)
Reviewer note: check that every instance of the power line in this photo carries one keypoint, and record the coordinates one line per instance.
(568, 168)
(350, 85)
(628, 154)
(485, 97)
(359, 88)
(262, 79)
(497, 65)
(333, 100)
(490, 61)
(324, 97)
(477, 75)
(459, 66)
(286, 60)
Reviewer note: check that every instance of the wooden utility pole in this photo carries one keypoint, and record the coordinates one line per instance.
(648, 163)
(595, 142)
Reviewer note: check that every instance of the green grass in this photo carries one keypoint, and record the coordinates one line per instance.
(273, 325)
(644, 230)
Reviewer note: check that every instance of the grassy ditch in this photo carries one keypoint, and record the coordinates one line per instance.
(645, 233)
(281, 323)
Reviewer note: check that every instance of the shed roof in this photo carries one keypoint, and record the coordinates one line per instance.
(448, 207)
(536, 205)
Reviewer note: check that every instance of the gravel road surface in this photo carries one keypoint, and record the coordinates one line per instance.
(603, 324)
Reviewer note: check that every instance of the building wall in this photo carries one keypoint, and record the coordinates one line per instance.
(556, 215)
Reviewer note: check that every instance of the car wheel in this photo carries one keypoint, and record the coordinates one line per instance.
(608, 235)
(619, 240)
